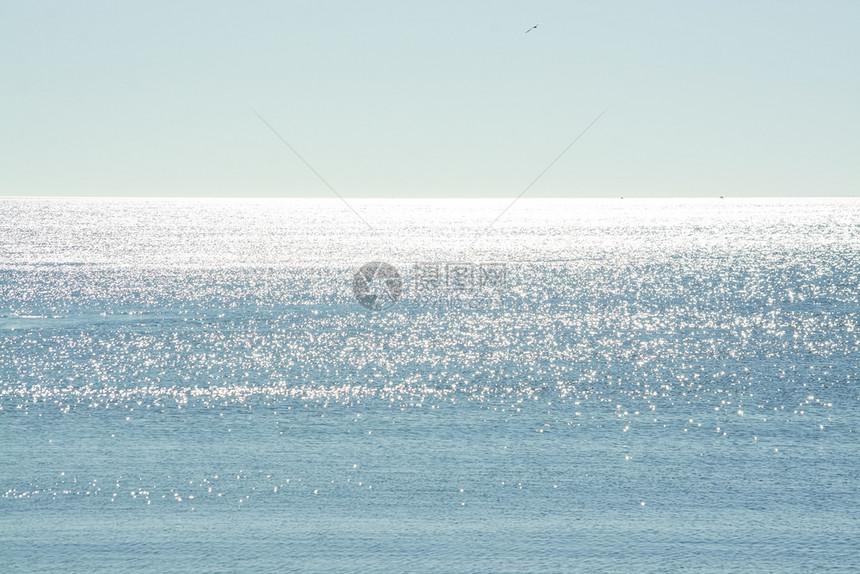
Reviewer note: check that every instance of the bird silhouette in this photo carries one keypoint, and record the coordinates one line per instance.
(533, 27)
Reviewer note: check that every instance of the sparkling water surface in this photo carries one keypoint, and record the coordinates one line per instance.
(655, 385)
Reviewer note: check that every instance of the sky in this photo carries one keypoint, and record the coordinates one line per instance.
(417, 99)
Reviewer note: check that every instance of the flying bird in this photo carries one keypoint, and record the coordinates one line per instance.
(533, 27)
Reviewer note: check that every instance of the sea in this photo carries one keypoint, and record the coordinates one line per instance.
(429, 385)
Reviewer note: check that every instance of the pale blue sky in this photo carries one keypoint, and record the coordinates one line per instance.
(405, 99)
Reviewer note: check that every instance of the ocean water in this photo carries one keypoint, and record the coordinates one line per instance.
(582, 386)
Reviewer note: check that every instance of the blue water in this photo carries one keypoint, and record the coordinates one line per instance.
(654, 385)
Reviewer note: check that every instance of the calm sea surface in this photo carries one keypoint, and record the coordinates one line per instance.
(584, 386)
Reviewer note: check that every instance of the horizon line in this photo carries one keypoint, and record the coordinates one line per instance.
(400, 197)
